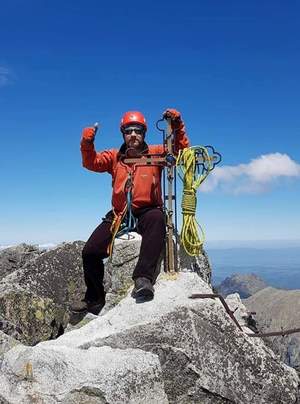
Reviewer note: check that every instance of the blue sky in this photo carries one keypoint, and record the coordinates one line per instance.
(231, 68)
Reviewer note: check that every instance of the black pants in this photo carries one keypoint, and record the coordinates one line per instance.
(151, 226)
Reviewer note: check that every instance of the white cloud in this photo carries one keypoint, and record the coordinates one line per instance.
(5, 76)
(255, 177)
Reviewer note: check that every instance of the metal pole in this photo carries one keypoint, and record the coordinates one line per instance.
(166, 266)
(170, 177)
(176, 250)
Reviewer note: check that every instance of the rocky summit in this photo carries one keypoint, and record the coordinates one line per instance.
(172, 349)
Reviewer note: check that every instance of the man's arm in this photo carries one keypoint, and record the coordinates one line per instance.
(92, 160)
(181, 140)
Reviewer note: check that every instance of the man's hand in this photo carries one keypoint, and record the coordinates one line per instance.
(175, 117)
(88, 134)
(172, 114)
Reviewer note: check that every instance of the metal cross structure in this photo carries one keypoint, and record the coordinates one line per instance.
(167, 160)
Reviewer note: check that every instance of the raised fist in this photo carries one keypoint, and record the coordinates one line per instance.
(172, 114)
(88, 134)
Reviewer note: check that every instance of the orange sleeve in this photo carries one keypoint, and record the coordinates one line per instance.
(97, 161)
(180, 137)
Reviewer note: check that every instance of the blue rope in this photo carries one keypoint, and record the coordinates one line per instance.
(129, 218)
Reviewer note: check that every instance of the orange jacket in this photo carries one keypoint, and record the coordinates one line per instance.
(146, 179)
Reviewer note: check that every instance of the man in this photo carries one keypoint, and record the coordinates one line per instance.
(136, 189)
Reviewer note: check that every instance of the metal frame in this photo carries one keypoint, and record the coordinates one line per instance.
(167, 160)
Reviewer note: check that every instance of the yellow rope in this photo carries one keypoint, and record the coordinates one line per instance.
(186, 164)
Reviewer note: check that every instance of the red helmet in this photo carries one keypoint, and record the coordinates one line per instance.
(132, 117)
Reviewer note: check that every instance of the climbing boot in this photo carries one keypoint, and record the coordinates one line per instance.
(85, 306)
(143, 289)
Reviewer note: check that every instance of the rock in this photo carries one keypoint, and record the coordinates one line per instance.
(45, 374)
(119, 269)
(276, 310)
(57, 274)
(38, 318)
(292, 355)
(196, 355)
(10, 329)
(243, 284)
(239, 310)
(37, 296)
(13, 258)
(6, 344)
(199, 264)
(39, 287)
(82, 320)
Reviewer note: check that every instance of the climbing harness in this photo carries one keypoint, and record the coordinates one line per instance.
(129, 222)
(125, 222)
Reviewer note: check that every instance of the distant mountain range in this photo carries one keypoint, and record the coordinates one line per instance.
(245, 285)
(278, 267)
(260, 244)
(278, 310)
(46, 246)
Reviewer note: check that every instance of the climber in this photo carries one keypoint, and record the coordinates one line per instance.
(143, 186)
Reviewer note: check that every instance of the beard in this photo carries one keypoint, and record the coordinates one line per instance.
(135, 144)
(134, 147)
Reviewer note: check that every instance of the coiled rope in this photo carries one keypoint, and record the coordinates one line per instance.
(189, 172)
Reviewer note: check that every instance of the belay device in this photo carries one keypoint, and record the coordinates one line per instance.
(193, 165)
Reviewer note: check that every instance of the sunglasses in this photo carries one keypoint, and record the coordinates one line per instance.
(135, 130)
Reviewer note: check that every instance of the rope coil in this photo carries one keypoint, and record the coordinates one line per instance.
(189, 202)
(190, 239)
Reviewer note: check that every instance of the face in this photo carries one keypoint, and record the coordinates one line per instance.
(134, 136)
